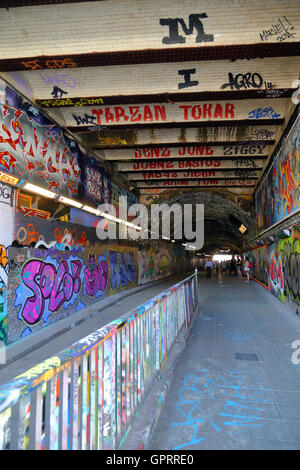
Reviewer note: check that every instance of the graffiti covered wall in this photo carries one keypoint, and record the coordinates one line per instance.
(7, 213)
(279, 194)
(36, 149)
(49, 268)
(159, 261)
(48, 285)
(53, 270)
(277, 267)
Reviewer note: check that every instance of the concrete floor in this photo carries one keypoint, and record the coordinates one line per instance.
(235, 386)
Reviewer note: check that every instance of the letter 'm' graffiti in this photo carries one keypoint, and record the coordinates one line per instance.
(194, 23)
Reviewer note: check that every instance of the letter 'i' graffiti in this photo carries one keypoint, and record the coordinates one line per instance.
(47, 283)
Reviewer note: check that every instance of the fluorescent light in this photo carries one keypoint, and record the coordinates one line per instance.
(37, 190)
(173, 241)
(5, 178)
(70, 202)
(108, 216)
(92, 210)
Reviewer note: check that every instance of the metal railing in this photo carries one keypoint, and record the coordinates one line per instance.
(87, 395)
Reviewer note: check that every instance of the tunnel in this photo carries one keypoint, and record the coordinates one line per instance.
(150, 227)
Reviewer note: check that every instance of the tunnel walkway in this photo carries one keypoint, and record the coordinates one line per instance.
(235, 386)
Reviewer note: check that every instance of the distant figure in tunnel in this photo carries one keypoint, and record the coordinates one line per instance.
(208, 267)
(247, 267)
(217, 267)
(224, 267)
(239, 267)
(232, 268)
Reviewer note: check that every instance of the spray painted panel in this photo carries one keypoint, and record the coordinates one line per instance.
(7, 214)
(279, 194)
(48, 285)
(155, 263)
(277, 267)
(36, 149)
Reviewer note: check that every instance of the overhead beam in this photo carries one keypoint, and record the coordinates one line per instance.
(193, 174)
(253, 150)
(260, 77)
(268, 110)
(211, 163)
(236, 190)
(153, 32)
(26, 3)
(203, 183)
(179, 136)
(158, 98)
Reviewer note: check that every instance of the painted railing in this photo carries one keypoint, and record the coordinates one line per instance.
(87, 396)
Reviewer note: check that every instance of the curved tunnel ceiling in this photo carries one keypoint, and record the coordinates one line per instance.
(222, 219)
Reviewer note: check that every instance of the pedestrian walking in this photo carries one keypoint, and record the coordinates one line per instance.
(239, 267)
(247, 267)
(208, 267)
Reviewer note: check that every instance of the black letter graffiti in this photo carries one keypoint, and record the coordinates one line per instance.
(240, 80)
(194, 23)
(187, 78)
(58, 91)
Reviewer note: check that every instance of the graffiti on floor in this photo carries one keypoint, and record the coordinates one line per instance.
(238, 336)
(242, 396)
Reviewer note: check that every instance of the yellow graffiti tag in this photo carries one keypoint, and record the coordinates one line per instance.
(41, 368)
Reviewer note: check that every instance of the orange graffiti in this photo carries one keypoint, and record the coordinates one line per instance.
(289, 180)
(3, 256)
(50, 64)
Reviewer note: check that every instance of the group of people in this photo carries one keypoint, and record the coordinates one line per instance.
(235, 267)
